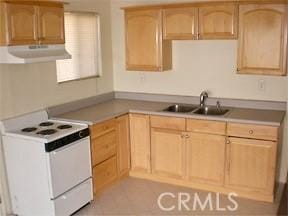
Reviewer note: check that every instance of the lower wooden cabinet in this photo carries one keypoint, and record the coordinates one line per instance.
(140, 143)
(205, 155)
(104, 174)
(123, 150)
(251, 165)
(167, 153)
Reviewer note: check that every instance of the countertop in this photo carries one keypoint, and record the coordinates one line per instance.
(116, 107)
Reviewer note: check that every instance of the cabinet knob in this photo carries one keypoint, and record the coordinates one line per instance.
(251, 131)
(182, 136)
(187, 136)
(228, 142)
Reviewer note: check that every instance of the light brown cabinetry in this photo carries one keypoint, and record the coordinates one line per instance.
(207, 21)
(104, 141)
(22, 24)
(51, 25)
(180, 23)
(262, 44)
(251, 165)
(123, 153)
(205, 158)
(145, 49)
(218, 21)
(32, 22)
(140, 143)
(251, 158)
(167, 153)
(205, 154)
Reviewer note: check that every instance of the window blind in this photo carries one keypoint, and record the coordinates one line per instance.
(82, 35)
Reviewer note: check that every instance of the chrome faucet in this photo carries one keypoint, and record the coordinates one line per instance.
(203, 97)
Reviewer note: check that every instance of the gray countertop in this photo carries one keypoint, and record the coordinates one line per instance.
(113, 108)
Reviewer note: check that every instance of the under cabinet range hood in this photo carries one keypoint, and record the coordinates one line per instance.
(32, 54)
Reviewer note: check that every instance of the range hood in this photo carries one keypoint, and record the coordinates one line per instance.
(32, 54)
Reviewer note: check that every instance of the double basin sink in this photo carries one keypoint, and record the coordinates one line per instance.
(207, 110)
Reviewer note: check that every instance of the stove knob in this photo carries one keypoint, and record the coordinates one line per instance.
(81, 134)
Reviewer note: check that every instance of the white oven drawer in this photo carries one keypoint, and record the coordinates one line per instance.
(74, 199)
(69, 166)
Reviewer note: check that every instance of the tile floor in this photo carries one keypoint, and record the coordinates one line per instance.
(133, 196)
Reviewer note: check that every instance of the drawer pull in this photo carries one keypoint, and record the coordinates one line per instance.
(251, 131)
(187, 136)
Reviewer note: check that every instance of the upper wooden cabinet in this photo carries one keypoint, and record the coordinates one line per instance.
(22, 24)
(145, 49)
(31, 22)
(218, 21)
(180, 23)
(262, 45)
(51, 25)
(203, 22)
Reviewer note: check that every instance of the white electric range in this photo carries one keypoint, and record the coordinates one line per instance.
(48, 164)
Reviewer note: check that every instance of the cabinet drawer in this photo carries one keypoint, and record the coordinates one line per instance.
(168, 123)
(104, 173)
(103, 147)
(204, 126)
(101, 128)
(252, 131)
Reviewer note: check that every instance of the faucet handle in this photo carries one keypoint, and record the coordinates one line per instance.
(218, 105)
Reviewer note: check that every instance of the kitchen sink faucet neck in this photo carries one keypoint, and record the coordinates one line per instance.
(203, 97)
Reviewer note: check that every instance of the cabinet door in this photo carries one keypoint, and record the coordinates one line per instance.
(22, 24)
(51, 25)
(251, 165)
(123, 145)
(167, 153)
(180, 23)
(140, 142)
(205, 158)
(144, 43)
(262, 39)
(218, 22)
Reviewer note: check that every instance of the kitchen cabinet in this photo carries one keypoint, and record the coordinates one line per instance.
(22, 24)
(123, 153)
(145, 49)
(205, 158)
(104, 174)
(251, 165)
(218, 21)
(32, 22)
(140, 143)
(180, 23)
(262, 44)
(104, 142)
(167, 150)
(205, 154)
(51, 25)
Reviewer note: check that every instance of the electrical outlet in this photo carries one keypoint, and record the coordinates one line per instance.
(142, 77)
(261, 85)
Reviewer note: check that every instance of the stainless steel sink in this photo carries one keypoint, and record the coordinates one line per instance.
(177, 108)
(213, 111)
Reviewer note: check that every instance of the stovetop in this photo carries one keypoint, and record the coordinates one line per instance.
(49, 130)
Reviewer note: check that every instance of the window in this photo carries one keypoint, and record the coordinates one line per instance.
(82, 32)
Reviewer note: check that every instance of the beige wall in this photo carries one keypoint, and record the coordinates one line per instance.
(197, 66)
(26, 88)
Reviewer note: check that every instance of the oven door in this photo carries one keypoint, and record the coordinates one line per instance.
(69, 166)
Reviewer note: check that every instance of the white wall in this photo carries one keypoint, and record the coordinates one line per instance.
(26, 88)
(197, 65)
